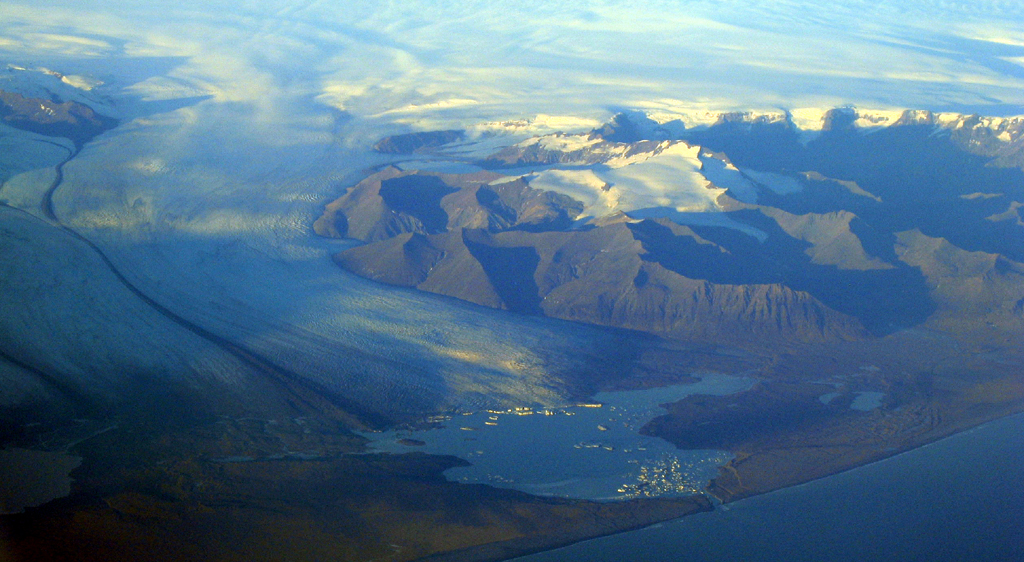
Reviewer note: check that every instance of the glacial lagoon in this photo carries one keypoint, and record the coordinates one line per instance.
(591, 450)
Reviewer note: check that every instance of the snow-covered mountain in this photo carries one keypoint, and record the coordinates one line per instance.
(746, 227)
(46, 84)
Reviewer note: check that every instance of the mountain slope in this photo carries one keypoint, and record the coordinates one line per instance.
(748, 228)
(598, 275)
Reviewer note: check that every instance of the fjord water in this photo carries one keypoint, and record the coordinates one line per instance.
(957, 500)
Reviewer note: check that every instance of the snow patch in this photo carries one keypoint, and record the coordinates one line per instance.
(564, 143)
(667, 177)
(917, 116)
(714, 220)
(727, 176)
(540, 125)
(666, 110)
(624, 159)
(598, 198)
(48, 84)
(808, 118)
(81, 82)
(697, 115)
(670, 179)
(877, 118)
(949, 119)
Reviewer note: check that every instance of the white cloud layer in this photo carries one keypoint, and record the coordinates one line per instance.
(424, 63)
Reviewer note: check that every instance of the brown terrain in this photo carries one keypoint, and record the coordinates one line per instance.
(783, 434)
(897, 274)
(173, 487)
(69, 119)
(510, 250)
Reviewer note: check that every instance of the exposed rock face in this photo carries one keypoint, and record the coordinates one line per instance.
(1002, 139)
(597, 276)
(394, 202)
(506, 245)
(616, 286)
(836, 238)
(974, 285)
(69, 119)
(412, 143)
(831, 238)
(635, 127)
(571, 149)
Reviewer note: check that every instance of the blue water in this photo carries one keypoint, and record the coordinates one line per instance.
(828, 398)
(580, 451)
(863, 401)
(867, 401)
(958, 500)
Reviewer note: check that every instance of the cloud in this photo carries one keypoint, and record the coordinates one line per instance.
(457, 62)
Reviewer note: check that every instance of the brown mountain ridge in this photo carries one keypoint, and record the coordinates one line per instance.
(833, 263)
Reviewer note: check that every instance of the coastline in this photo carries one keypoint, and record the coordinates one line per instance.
(402, 497)
(879, 469)
(515, 548)
(728, 487)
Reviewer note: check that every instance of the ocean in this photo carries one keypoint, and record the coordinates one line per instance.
(960, 499)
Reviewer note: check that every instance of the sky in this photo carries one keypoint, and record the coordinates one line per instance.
(428, 64)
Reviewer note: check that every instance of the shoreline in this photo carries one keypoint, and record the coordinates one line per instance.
(497, 552)
(481, 553)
